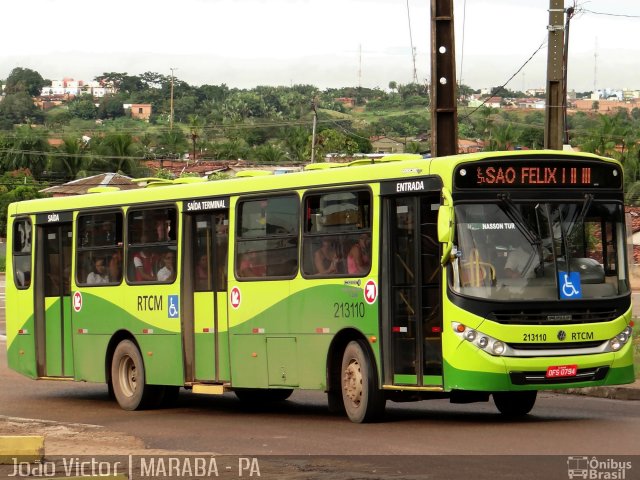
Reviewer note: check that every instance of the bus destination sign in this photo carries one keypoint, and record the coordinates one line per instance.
(539, 174)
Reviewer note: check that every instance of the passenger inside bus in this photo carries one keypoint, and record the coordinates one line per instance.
(115, 266)
(143, 263)
(202, 273)
(250, 267)
(99, 273)
(168, 271)
(326, 259)
(359, 258)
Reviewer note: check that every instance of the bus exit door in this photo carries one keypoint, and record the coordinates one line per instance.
(53, 297)
(204, 291)
(411, 309)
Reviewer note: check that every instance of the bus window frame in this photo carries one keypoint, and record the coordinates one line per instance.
(237, 238)
(341, 235)
(104, 248)
(167, 245)
(20, 254)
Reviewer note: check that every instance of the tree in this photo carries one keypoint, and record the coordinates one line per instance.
(504, 137)
(332, 141)
(119, 148)
(297, 143)
(24, 80)
(111, 106)
(269, 153)
(18, 108)
(73, 157)
(83, 107)
(27, 149)
(15, 186)
(172, 143)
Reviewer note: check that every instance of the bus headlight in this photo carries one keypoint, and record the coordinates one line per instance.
(481, 340)
(615, 344)
(620, 340)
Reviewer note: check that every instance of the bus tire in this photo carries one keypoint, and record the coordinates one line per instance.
(363, 401)
(128, 378)
(515, 404)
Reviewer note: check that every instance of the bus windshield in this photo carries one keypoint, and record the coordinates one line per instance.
(535, 251)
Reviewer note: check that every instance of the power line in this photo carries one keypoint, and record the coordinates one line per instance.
(623, 15)
(501, 87)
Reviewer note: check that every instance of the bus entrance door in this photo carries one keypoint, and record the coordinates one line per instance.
(205, 250)
(412, 313)
(53, 298)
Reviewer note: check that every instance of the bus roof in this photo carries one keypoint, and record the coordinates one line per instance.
(366, 170)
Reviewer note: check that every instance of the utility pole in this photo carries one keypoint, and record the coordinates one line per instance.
(171, 103)
(553, 125)
(444, 108)
(565, 65)
(313, 133)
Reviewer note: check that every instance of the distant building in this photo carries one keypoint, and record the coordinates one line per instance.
(139, 111)
(68, 87)
(346, 101)
(386, 145)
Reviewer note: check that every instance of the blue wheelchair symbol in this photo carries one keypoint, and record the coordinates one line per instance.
(570, 287)
(174, 309)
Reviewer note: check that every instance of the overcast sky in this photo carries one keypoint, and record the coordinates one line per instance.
(327, 43)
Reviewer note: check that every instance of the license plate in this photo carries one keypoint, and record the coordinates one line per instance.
(559, 371)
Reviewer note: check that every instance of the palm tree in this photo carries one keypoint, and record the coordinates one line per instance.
(27, 149)
(72, 155)
(270, 153)
(120, 150)
(504, 137)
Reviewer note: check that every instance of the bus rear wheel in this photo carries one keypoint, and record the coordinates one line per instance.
(515, 404)
(128, 378)
(362, 399)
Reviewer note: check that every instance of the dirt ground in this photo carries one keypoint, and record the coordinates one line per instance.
(76, 438)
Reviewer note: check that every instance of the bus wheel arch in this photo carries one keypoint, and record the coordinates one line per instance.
(351, 364)
(127, 376)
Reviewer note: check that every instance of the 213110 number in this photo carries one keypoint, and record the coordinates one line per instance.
(348, 310)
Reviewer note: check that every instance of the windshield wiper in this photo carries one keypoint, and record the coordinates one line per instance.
(588, 200)
(516, 217)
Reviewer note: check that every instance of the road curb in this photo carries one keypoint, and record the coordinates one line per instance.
(615, 393)
(21, 449)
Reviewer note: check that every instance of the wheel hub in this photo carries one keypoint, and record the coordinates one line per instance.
(128, 376)
(353, 382)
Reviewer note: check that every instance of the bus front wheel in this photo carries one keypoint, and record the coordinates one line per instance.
(128, 377)
(515, 404)
(362, 399)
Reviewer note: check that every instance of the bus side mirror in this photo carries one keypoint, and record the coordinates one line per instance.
(446, 223)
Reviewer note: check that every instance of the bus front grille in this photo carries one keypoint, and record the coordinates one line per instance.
(556, 346)
(543, 317)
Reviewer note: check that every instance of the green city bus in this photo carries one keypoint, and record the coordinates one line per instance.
(470, 277)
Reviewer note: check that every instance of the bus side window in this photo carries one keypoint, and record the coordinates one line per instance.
(151, 235)
(99, 236)
(22, 253)
(267, 237)
(333, 224)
